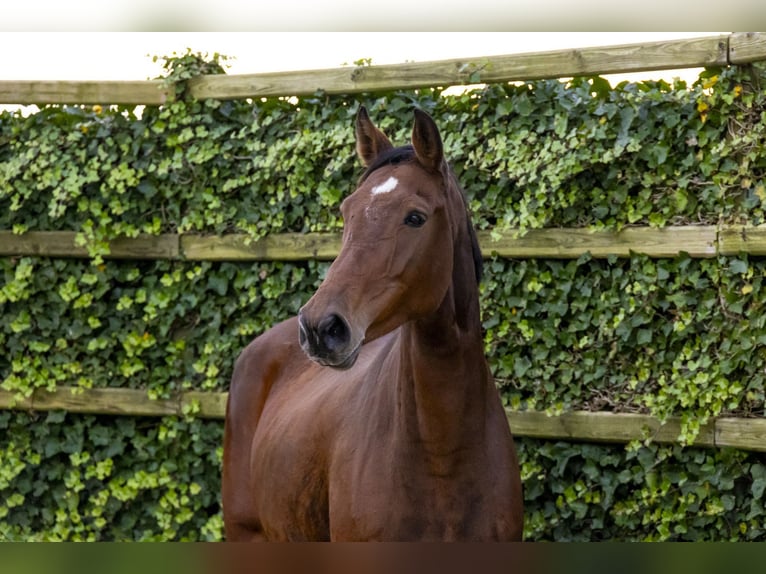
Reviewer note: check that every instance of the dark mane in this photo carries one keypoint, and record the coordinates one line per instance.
(389, 157)
(405, 153)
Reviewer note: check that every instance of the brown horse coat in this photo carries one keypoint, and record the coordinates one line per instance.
(373, 415)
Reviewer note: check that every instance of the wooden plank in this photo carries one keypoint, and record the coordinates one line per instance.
(601, 427)
(166, 246)
(624, 58)
(698, 241)
(103, 401)
(117, 401)
(210, 405)
(742, 239)
(278, 247)
(62, 244)
(149, 92)
(675, 54)
(108, 401)
(746, 434)
(9, 401)
(745, 47)
(40, 243)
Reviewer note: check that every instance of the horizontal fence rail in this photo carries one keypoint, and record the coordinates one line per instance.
(692, 53)
(559, 243)
(741, 433)
(738, 48)
(148, 92)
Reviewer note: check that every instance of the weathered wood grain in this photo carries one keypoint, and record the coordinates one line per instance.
(697, 241)
(208, 405)
(601, 427)
(279, 247)
(747, 434)
(742, 239)
(165, 246)
(745, 47)
(28, 92)
(117, 401)
(112, 401)
(675, 54)
(40, 243)
(62, 244)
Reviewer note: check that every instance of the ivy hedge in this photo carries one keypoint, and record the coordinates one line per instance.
(672, 337)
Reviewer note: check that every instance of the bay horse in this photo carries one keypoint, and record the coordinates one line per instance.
(373, 415)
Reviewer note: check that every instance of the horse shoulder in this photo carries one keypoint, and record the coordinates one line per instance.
(260, 365)
(257, 370)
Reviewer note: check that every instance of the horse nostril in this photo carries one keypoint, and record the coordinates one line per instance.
(334, 333)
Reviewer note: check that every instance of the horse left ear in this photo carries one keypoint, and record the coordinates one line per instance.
(427, 141)
(370, 141)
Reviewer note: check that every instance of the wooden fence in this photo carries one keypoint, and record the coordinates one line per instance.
(737, 48)
(697, 241)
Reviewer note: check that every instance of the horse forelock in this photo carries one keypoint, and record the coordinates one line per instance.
(406, 153)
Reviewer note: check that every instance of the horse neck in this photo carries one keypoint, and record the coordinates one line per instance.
(444, 383)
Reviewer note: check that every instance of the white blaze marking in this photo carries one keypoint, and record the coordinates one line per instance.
(388, 185)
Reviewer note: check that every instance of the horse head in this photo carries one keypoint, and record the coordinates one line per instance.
(396, 260)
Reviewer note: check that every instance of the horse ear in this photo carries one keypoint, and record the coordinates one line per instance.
(370, 141)
(427, 141)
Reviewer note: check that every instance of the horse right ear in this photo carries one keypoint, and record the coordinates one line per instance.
(370, 141)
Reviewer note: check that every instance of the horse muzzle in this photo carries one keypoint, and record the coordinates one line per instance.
(329, 341)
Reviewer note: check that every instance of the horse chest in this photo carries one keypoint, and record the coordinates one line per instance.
(397, 503)
(352, 476)
(311, 496)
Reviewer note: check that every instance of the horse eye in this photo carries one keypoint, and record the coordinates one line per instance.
(415, 219)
